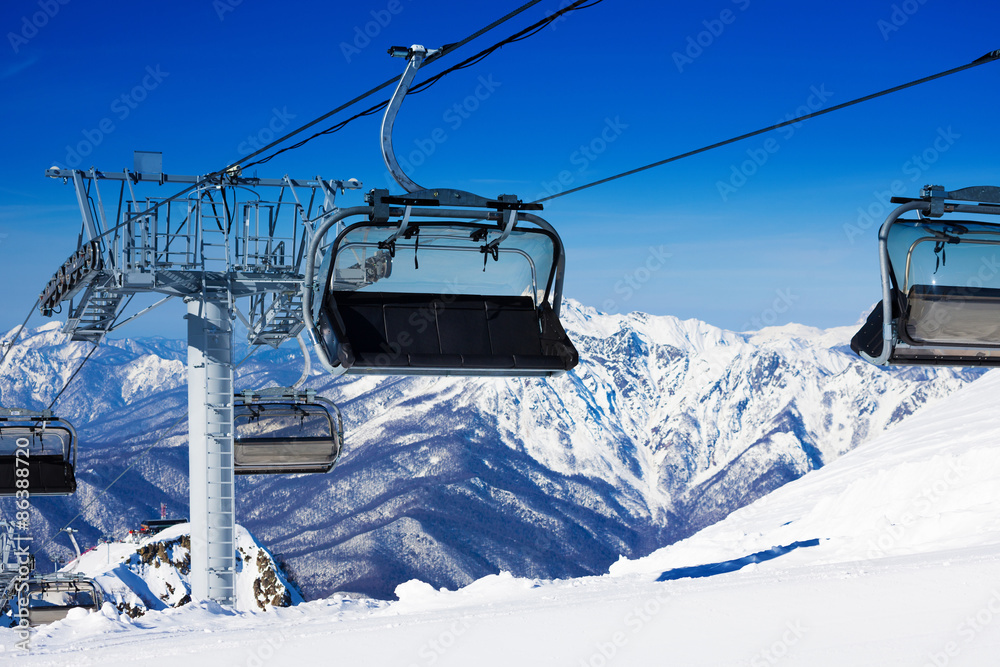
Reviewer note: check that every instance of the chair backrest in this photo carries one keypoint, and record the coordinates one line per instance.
(466, 334)
(47, 475)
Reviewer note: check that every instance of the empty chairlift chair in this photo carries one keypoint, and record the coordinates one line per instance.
(940, 283)
(445, 297)
(37, 453)
(437, 281)
(285, 431)
(52, 597)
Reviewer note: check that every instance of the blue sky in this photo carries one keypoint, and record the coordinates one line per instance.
(760, 232)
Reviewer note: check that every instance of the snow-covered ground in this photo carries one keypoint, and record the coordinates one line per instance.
(889, 555)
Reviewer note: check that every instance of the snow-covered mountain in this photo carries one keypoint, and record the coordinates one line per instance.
(887, 556)
(928, 486)
(666, 426)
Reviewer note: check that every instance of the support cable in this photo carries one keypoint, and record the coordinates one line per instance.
(988, 58)
(13, 341)
(447, 49)
(424, 85)
(89, 354)
(75, 373)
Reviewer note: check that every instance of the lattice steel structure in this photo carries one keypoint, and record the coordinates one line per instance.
(217, 241)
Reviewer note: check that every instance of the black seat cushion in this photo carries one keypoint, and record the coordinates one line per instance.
(47, 475)
(514, 327)
(468, 333)
(463, 328)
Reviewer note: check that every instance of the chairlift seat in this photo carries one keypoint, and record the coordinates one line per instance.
(47, 475)
(940, 325)
(450, 298)
(51, 599)
(50, 455)
(938, 279)
(313, 447)
(462, 334)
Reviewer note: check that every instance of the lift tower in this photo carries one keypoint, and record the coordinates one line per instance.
(215, 242)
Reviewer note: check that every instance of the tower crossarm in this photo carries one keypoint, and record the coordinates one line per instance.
(245, 232)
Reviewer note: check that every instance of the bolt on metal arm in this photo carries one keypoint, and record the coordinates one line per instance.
(415, 55)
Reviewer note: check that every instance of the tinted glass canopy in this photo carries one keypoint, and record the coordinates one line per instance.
(445, 298)
(444, 258)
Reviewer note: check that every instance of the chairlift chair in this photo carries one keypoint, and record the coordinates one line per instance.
(940, 283)
(52, 597)
(41, 444)
(437, 281)
(283, 431)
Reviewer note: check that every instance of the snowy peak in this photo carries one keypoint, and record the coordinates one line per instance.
(665, 330)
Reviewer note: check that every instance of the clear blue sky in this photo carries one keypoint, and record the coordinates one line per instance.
(604, 90)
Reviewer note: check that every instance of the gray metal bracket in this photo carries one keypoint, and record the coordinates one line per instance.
(19, 414)
(381, 200)
(935, 194)
(250, 396)
(415, 56)
(985, 194)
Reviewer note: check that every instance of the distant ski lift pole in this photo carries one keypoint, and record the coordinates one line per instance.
(37, 450)
(940, 285)
(286, 431)
(437, 281)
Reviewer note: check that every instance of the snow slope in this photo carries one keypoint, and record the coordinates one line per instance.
(928, 485)
(898, 563)
(665, 427)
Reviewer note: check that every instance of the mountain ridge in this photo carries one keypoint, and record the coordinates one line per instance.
(665, 427)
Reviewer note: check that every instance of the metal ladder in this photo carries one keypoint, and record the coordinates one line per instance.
(219, 436)
(214, 230)
(281, 321)
(93, 320)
